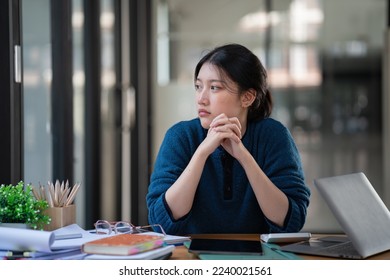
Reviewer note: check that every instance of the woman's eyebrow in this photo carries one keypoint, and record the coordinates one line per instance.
(211, 81)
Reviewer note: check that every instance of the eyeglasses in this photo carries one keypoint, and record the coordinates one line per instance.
(106, 227)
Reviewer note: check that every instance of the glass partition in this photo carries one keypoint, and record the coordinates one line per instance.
(37, 71)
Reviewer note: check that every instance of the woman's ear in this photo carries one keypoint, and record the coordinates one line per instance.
(248, 98)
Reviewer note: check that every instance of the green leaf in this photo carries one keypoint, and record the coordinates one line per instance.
(18, 205)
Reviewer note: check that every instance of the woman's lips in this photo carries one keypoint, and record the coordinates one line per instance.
(203, 113)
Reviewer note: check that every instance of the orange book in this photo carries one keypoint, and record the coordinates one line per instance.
(123, 244)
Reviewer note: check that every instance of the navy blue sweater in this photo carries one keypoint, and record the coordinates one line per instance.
(228, 205)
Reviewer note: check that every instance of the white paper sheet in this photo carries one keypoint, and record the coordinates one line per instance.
(17, 239)
(67, 243)
(171, 239)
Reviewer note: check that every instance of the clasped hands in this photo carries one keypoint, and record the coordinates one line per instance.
(227, 132)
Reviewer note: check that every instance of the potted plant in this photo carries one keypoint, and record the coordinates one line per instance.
(19, 205)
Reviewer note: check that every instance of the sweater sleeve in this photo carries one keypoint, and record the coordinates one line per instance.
(173, 157)
(282, 164)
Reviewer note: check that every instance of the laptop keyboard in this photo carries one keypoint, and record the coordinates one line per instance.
(343, 250)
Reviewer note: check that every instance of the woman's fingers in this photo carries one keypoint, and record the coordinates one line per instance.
(235, 120)
(222, 123)
(233, 128)
(218, 120)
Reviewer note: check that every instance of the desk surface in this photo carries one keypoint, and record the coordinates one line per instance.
(181, 252)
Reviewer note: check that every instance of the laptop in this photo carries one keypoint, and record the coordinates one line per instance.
(361, 213)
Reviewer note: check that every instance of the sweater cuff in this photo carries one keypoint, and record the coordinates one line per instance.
(287, 221)
(170, 212)
(166, 206)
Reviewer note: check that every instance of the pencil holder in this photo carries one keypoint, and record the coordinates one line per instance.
(61, 216)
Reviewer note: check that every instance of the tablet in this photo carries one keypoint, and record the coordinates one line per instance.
(220, 246)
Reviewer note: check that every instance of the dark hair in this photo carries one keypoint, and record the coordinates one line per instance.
(244, 68)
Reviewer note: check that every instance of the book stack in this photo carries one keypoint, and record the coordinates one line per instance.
(123, 244)
(128, 246)
(73, 242)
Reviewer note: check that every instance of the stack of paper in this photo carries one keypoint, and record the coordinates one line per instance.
(37, 244)
(66, 243)
(172, 239)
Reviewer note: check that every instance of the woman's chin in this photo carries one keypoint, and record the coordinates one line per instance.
(204, 123)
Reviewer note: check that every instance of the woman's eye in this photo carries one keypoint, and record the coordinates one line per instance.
(215, 88)
(197, 87)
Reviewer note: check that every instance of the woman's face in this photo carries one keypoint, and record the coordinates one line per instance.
(216, 95)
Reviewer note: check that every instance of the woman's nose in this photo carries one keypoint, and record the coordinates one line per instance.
(202, 96)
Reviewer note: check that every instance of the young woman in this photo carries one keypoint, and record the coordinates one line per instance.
(233, 169)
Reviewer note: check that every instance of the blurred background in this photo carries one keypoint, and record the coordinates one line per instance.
(130, 71)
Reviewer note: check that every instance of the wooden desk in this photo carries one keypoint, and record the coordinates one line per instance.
(181, 252)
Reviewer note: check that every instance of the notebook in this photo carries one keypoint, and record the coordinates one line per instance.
(361, 213)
